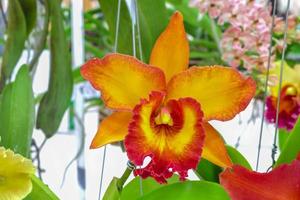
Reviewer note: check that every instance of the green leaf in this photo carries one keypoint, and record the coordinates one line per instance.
(57, 99)
(210, 172)
(92, 49)
(40, 191)
(77, 78)
(292, 146)
(153, 20)
(132, 189)
(42, 39)
(174, 1)
(29, 8)
(282, 138)
(109, 8)
(237, 157)
(16, 36)
(112, 192)
(17, 113)
(191, 190)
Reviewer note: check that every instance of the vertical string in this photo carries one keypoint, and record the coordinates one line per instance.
(139, 32)
(133, 22)
(117, 27)
(102, 172)
(274, 150)
(266, 85)
(115, 49)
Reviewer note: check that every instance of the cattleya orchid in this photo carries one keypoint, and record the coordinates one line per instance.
(289, 108)
(15, 172)
(282, 183)
(162, 109)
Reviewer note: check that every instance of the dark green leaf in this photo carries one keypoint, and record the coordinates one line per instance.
(112, 192)
(292, 146)
(40, 191)
(29, 8)
(132, 190)
(16, 36)
(57, 99)
(153, 20)
(17, 113)
(191, 190)
(210, 172)
(109, 8)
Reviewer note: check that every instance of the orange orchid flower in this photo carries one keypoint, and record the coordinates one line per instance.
(289, 108)
(162, 109)
(282, 183)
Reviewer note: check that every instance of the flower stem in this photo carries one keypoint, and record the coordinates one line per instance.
(124, 178)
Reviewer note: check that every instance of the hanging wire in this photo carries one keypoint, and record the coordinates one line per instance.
(139, 31)
(266, 85)
(274, 149)
(115, 49)
(133, 22)
(117, 27)
(102, 172)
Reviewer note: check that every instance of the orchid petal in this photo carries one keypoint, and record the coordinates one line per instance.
(122, 80)
(113, 128)
(281, 183)
(222, 92)
(214, 149)
(171, 50)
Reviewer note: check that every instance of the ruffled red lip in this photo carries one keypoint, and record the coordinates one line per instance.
(289, 110)
(173, 147)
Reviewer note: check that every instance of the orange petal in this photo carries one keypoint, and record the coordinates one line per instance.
(171, 50)
(222, 92)
(122, 80)
(172, 148)
(214, 148)
(282, 183)
(113, 128)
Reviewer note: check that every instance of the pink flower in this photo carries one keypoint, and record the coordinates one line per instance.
(260, 43)
(213, 7)
(234, 57)
(202, 5)
(280, 23)
(232, 13)
(236, 37)
(248, 36)
(259, 62)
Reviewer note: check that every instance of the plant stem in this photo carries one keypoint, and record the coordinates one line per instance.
(124, 178)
